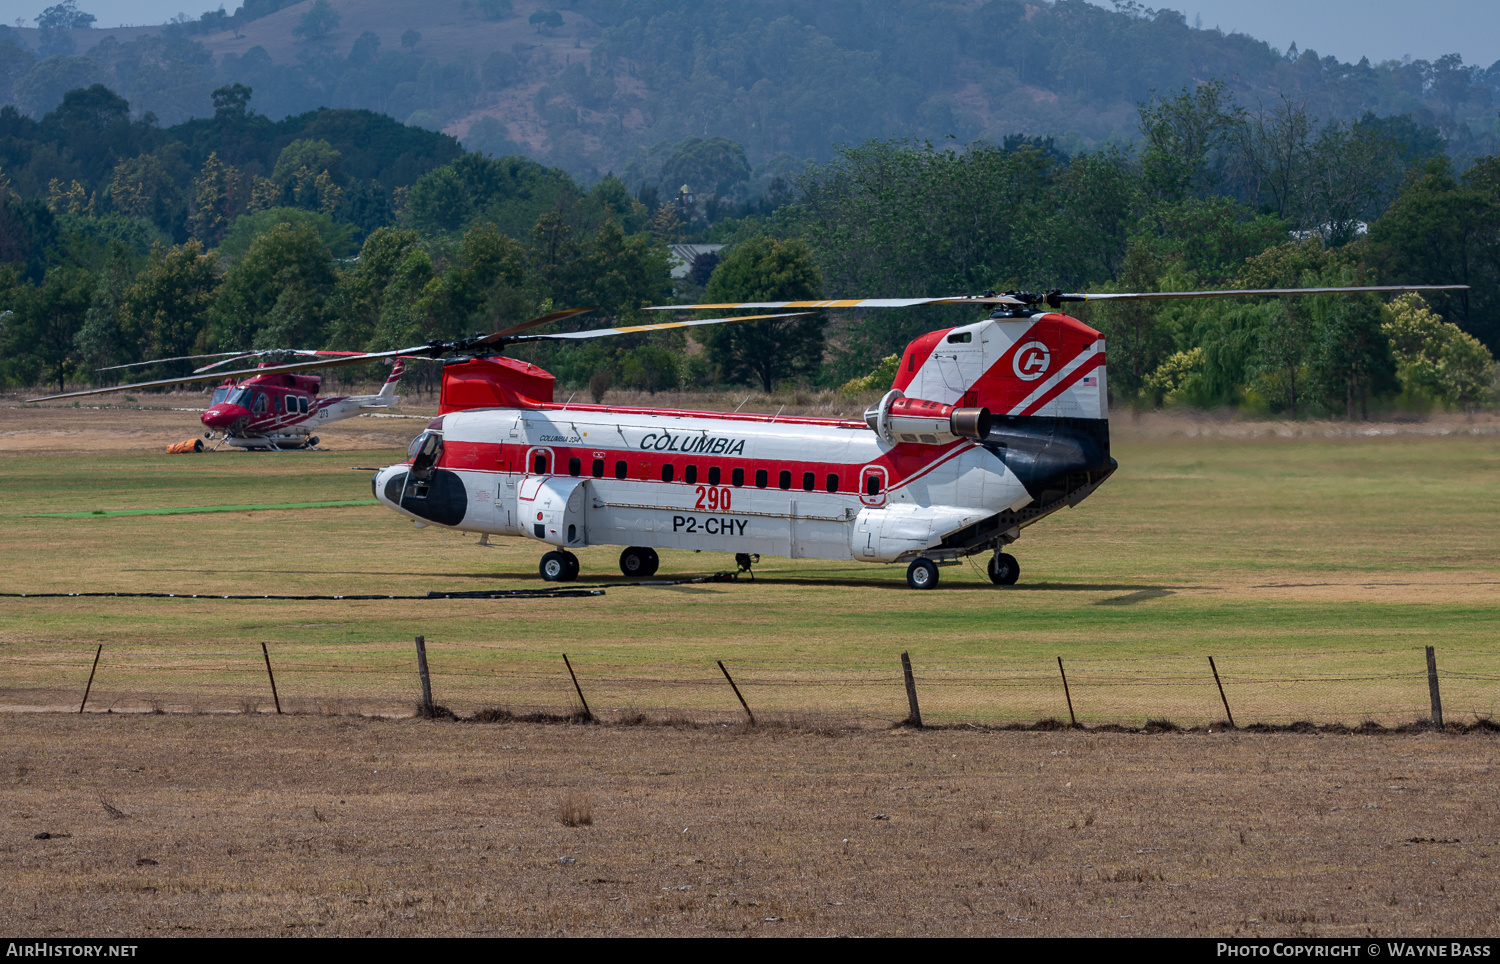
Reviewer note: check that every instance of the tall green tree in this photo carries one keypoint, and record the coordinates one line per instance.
(275, 296)
(166, 309)
(767, 269)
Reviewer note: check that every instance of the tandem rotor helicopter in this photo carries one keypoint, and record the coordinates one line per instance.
(988, 428)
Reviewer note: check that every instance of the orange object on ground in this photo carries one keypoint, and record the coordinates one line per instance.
(191, 445)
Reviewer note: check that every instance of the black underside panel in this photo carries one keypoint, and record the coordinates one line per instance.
(441, 498)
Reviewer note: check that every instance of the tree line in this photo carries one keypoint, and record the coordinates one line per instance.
(122, 242)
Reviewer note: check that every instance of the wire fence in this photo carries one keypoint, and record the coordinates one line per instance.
(1389, 687)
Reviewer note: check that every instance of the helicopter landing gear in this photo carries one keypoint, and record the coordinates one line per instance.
(637, 562)
(559, 566)
(744, 560)
(1003, 569)
(922, 574)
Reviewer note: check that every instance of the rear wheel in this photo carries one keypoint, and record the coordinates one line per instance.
(638, 562)
(922, 574)
(1004, 570)
(559, 567)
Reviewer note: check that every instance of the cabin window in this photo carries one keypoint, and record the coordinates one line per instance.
(598, 468)
(667, 471)
(762, 478)
(960, 338)
(872, 484)
(302, 405)
(260, 403)
(621, 469)
(575, 467)
(539, 464)
(784, 481)
(832, 482)
(809, 481)
(714, 475)
(690, 474)
(275, 403)
(737, 476)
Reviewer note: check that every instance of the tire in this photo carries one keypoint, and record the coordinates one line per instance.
(922, 574)
(572, 566)
(555, 568)
(1004, 570)
(637, 562)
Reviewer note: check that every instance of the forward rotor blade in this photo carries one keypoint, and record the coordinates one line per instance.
(268, 370)
(851, 303)
(1245, 292)
(602, 332)
(534, 322)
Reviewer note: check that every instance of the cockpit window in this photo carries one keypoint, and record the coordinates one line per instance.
(241, 397)
(219, 395)
(425, 451)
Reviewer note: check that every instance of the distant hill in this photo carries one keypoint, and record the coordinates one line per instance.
(598, 85)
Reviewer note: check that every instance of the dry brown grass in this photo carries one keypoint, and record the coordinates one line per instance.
(334, 825)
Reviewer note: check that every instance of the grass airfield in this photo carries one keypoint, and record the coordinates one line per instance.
(1264, 550)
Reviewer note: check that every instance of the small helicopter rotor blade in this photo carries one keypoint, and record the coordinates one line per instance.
(1246, 292)
(494, 337)
(158, 361)
(268, 370)
(228, 361)
(851, 303)
(603, 332)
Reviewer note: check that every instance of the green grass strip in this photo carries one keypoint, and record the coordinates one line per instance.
(103, 514)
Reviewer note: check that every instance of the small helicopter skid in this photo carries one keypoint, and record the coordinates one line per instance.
(266, 443)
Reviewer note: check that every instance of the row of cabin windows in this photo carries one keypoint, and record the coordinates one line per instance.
(715, 476)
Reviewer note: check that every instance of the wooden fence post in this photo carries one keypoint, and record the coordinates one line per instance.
(426, 680)
(1432, 689)
(915, 716)
(1066, 694)
(277, 699)
(1222, 697)
(91, 678)
(736, 692)
(587, 713)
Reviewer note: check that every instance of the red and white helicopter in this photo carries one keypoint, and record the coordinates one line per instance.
(988, 428)
(273, 409)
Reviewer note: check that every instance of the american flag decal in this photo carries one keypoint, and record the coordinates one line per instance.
(1090, 380)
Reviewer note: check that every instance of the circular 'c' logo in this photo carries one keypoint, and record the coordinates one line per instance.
(1031, 361)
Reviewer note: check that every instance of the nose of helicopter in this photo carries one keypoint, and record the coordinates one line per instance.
(380, 481)
(223, 415)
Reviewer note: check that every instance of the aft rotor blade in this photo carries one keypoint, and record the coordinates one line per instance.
(534, 322)
(602, 332)
(851, 303)
(268, 370)
(1244, 292)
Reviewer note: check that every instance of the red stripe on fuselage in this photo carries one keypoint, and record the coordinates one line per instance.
(1096, 362)
(904, 464)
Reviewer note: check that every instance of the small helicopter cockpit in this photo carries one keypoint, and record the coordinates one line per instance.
(425, 451)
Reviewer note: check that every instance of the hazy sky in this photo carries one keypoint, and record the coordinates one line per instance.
(1347, 29)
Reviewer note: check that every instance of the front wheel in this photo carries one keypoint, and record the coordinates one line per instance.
(638, 562)
(922, 574)
(1004, 570)
(559, 567)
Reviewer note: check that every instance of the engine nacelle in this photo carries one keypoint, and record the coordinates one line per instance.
(900, 419)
